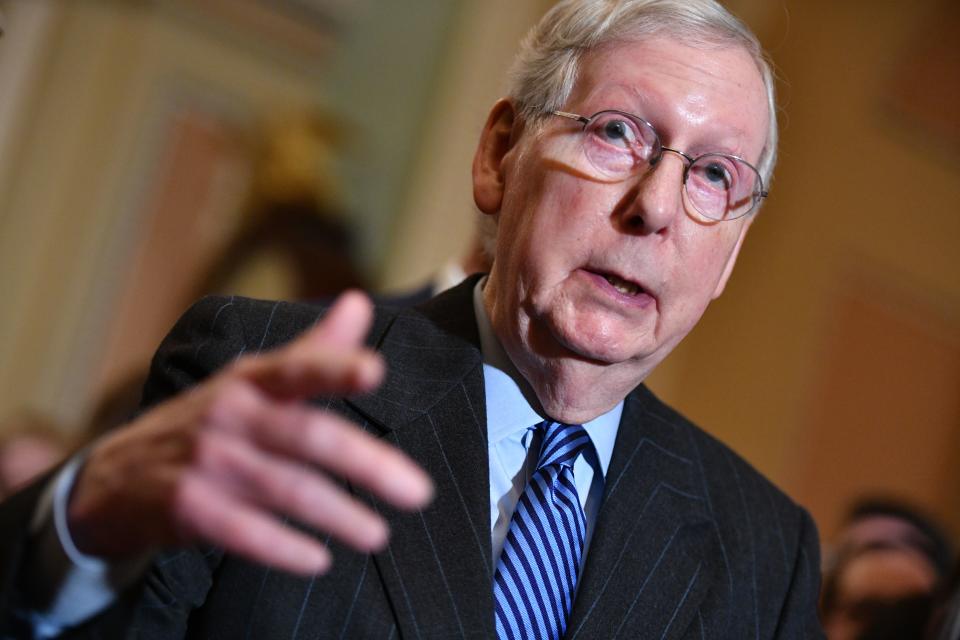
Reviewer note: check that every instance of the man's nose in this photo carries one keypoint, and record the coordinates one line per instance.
(658, 197)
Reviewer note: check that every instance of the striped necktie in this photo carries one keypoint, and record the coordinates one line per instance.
(537, 571)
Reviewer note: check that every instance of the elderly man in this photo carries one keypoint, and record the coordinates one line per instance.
(623, 172)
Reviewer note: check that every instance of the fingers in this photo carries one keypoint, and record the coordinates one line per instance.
(328, 359)
(339, 447)
(207, 513)
(322, 439)
(280, 486)
(269, 456)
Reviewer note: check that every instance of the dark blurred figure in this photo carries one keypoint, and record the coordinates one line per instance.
(314, 246)
(29, 445)
(945, 624)
(889, 564)
(292, 224)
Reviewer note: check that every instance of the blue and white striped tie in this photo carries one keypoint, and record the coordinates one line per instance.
(537, 572)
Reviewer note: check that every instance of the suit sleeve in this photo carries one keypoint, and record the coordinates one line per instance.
(16, 513)
(798, 618)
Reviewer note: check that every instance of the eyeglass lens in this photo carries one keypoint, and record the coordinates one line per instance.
(719, 186)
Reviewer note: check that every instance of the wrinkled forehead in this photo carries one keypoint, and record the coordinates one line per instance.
(704, 58)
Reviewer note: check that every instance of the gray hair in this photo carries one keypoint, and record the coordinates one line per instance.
(545, 69)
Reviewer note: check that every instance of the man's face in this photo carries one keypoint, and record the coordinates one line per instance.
(564, 234)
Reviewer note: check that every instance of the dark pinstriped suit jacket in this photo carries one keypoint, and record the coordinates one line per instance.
(691, 542)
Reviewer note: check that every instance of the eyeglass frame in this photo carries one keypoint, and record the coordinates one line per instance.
(757, 196)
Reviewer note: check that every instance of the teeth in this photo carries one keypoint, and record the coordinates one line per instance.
(621, 285)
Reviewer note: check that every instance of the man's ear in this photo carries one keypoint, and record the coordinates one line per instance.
(489, 173)
(732, 258)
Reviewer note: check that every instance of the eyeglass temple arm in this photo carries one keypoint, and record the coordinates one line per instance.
(571, 116)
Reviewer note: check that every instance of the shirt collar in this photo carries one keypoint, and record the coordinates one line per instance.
(508, 409)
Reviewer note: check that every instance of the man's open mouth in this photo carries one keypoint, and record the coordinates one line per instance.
(623, 286)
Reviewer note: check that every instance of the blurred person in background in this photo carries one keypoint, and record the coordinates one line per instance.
(623, 172)
(946, 618)
(890, 562)
(29, 445)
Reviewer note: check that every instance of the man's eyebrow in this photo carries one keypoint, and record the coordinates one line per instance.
(632, 97)
(729, 140)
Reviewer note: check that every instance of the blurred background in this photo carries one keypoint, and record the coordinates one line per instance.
(154, 150)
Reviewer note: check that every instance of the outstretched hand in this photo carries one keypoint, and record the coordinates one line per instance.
(224, 462)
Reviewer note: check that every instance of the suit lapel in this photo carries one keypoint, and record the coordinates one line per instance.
(436, 570)
(645, 571)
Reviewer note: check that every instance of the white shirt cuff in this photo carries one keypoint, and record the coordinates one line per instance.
(71, 587)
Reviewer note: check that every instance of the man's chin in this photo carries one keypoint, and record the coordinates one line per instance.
(600, 349)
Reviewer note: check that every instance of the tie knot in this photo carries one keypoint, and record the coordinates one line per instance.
(562, 443)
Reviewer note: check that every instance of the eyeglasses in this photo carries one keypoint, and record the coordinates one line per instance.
(620, 145)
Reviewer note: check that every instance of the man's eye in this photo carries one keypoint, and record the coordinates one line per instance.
(616, 129)
(617, 132)
(717, 174)
(714, 172)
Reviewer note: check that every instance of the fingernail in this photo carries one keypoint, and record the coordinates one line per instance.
(369, 371)
(379, 535)
(319, 561)
(414, 489)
